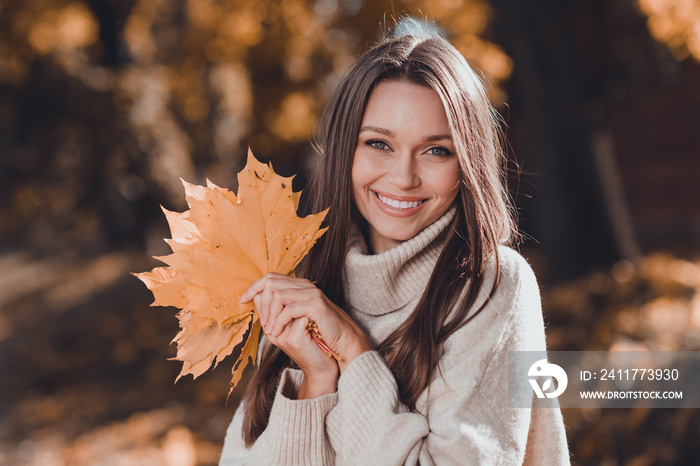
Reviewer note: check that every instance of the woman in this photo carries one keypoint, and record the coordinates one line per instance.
(412, 286)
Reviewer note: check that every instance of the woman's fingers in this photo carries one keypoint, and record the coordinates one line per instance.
(292, 312)
(274, 280)
(257, 286)
(282, 300)
(264, 311)
(306, 301)
(297, 328)
(277, 292)
(275, 306)
(257, 301)
(293, 336)
(300, 324)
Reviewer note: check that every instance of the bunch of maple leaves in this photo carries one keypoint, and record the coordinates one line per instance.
(221, 245)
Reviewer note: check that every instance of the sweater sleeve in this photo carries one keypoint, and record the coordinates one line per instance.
(295, 433)
(464, 417)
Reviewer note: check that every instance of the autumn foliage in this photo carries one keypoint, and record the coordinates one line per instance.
(221, 245)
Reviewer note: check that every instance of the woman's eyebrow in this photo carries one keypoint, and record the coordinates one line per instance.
(390, 133)
(377, 129)
(439, 137)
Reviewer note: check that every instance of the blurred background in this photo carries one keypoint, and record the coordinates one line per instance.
(105, 104)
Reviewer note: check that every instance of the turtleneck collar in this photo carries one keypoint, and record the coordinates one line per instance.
(380, 283)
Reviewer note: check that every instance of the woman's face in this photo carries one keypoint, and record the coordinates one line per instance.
(405, 174)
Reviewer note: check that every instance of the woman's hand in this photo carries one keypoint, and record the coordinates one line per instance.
(320, 370)
(285, 305)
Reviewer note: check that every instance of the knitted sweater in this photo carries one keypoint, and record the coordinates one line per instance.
(462, 418)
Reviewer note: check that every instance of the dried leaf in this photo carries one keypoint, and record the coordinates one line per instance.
(221, 245)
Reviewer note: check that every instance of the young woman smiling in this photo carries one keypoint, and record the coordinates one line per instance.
(413, 285)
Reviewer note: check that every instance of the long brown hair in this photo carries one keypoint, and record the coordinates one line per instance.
(483, 216)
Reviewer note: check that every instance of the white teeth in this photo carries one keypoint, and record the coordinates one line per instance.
(398, 204)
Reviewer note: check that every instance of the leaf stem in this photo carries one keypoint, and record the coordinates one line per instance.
(312, 327)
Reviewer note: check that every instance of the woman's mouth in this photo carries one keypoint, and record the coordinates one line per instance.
(398, 208)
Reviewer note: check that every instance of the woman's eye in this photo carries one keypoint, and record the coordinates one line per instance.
(439, 151)
(377, 144)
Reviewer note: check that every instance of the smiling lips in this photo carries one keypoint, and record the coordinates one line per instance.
(404, 207)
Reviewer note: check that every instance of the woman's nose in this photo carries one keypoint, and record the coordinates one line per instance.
(402, 172)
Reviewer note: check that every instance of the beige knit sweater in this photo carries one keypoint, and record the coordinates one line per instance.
(462, 418)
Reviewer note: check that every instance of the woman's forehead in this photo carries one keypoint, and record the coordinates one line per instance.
(394, 105)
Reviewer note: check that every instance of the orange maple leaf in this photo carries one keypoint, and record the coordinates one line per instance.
(221, 245)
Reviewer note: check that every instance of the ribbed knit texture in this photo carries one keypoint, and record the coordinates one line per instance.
(382, 283)
(462, 418)
(294, 436)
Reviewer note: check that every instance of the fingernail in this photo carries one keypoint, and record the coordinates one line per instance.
(243, 298)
